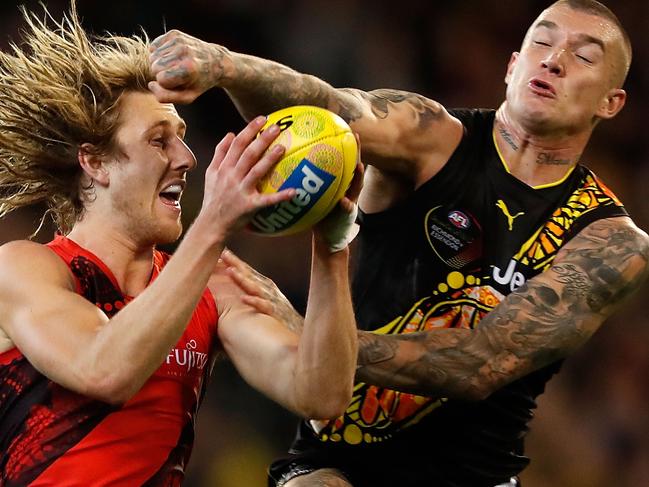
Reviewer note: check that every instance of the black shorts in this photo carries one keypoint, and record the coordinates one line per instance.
(363, 470)
(281, 471)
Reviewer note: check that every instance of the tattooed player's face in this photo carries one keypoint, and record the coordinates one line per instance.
(564, 77)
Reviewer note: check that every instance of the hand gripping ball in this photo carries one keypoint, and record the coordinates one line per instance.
(319, 162)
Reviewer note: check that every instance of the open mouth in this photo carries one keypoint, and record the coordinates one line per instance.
(171, 195)
(542, 88)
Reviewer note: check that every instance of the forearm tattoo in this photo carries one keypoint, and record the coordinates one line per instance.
(260, 86)
(267, 86)
(539, 323)
(372, 351)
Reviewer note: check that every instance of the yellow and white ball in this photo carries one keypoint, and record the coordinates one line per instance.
(319, 161)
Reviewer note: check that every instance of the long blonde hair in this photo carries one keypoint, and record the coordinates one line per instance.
(58, 90)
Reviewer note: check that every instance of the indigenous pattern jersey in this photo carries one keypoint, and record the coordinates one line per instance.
(444, 258)
(52, 436)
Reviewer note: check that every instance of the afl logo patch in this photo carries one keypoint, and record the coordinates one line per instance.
(459, 219)
(454, 235)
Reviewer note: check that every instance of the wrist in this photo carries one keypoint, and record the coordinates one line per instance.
(224, 69)
(207, 231)
(339, 229)
(322, 246)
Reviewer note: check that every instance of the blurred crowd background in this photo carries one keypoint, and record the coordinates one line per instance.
(592, 426)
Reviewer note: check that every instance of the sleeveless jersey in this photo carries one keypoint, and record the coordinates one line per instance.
(51, 436)
(444, 258)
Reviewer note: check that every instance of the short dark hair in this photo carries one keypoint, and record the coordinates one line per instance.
(598, 9)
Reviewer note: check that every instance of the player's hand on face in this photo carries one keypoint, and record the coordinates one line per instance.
(338, 229)
(239, 163)
(260, 292)
(184, 67)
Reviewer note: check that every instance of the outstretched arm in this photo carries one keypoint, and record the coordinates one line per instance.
(543, 321)
(401, 132)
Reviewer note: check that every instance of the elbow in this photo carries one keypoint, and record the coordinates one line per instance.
(476, 394)
(477, 390)
(326, 406)
(108, 388)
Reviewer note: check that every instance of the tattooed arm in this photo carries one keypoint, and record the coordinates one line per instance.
(401, 132)
(543, 321)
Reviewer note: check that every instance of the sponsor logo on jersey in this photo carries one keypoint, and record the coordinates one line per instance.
(508, 215)
(511, 278)
(459, 219)
(187, 360)
(454, 235)
(310, 183)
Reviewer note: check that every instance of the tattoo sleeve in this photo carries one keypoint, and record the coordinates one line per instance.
(543, 321)
(261, 86)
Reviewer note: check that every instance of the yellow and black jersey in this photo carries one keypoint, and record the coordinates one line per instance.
(444, 258)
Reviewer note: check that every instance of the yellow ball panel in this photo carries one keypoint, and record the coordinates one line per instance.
(319, 163)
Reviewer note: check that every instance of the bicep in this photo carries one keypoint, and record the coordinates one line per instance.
(400, 130)
(557, 311)
(42, 315)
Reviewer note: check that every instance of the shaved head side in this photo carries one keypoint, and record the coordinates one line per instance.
(593, 7)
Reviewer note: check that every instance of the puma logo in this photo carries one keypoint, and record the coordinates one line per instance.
(510, 219)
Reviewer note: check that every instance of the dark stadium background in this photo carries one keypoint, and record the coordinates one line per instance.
(592, 429)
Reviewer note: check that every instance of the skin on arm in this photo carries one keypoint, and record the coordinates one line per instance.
(310, 373)
(73, 343)
(308, 367)
(402, 133)
(545, 320)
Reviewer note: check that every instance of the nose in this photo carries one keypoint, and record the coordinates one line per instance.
(554, 62)
(183, 157)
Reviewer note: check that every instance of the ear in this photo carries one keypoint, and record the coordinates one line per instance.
(510, 66)
(612, 103)
(93, 164)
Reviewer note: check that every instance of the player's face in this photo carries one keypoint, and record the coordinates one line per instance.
(148, 175)
(562, 79)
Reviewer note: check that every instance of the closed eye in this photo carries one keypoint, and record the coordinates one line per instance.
(159, 142)
(584, 58)
(541, 43)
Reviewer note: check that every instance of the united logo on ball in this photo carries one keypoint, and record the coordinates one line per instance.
(319, 162)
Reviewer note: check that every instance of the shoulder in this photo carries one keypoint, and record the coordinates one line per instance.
(25, 260)
(25, 266)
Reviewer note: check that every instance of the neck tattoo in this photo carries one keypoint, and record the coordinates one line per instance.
(550, 159)
(508, 138)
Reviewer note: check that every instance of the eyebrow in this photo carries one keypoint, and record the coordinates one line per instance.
(167, 123)
(583, 38)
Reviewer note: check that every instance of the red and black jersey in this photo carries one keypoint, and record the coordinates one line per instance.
(52, 436)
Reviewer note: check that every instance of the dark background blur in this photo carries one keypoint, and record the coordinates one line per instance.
(592, 427)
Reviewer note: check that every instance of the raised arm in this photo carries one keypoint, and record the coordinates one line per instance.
(310, 373)
(309, 370)
(543, 321)
(74, 343)
(401, 132)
